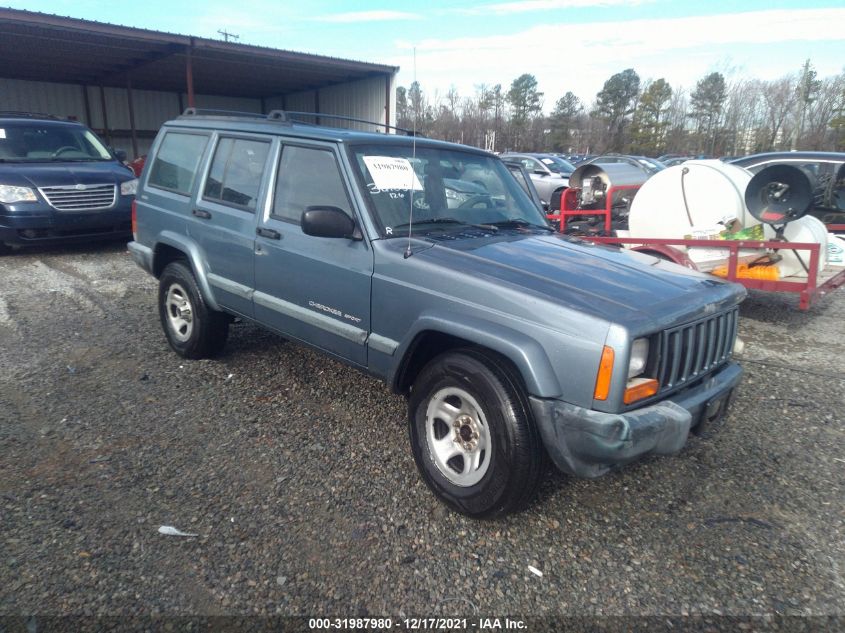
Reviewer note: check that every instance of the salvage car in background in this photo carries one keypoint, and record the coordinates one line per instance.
(649, 165)
(549, 173)
(58, 182)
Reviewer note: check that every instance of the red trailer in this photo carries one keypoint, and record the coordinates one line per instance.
(810, 288)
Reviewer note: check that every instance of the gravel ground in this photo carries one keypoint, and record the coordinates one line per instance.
(296, 474)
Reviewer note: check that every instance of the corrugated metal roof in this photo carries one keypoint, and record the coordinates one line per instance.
(45, 47)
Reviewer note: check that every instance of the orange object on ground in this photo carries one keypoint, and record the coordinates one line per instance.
(744, 271)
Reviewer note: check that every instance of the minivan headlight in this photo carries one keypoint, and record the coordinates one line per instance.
(10, 194)
(129, 188)
(639, 357)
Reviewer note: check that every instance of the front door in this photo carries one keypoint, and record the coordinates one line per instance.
(312, 288)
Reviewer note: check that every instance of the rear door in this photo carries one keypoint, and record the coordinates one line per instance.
(312, 288)
(224, 215)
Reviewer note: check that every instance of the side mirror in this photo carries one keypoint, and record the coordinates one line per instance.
(321, 221)
(119, 154)
(540, 172)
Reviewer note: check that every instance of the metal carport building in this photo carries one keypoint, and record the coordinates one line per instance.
(125, 82)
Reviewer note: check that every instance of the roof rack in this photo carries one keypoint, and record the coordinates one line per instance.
(234, 114)
(321, 115)
(284, 116)
(30, 115)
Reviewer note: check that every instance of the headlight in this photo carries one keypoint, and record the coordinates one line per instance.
(639, 357)
(129, 188)
(452, 194)
(10, 194)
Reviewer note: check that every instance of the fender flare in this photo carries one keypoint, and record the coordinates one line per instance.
(192, 251)
(528, 356)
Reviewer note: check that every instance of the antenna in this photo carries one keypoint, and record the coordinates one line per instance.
(413, 169)
(226, 35)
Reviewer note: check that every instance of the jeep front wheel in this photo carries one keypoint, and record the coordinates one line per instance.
(191, 327)
(472, 434)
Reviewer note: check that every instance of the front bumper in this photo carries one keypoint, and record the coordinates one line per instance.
(588, 443)
(43, 226)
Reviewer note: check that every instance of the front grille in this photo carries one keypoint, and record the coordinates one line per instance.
(690, 351)
(80, 197)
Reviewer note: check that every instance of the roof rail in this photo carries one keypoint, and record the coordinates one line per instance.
(30, 115)
(285, 116)
(224, 113)
(322, 115)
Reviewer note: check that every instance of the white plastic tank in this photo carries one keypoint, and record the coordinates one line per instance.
(807, 230)
(700, 198)
(696, 194)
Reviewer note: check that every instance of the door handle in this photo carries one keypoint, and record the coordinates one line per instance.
(205, 215)
(272, 234)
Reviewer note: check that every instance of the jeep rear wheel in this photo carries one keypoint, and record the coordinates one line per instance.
(472, 434)
(191, 327)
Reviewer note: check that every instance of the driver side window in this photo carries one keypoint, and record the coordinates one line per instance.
(307, 177)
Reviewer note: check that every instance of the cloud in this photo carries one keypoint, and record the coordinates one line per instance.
(658, 35)
(526, 6)
(579, 57)
(369, 16)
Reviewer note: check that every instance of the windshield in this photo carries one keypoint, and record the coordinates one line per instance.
(446, 188)
(651, 164)
(34, 142)
(558, 165)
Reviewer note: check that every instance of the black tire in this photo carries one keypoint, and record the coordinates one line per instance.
(554, 200)
(517, 458)
(205, 331)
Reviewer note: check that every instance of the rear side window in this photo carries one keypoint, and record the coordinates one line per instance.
(175, 164)
(307, 177)
(236, 172)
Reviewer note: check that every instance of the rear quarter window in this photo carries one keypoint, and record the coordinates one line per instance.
(176, 162)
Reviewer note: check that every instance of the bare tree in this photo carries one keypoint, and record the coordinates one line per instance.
(780, 97)
(824, 114)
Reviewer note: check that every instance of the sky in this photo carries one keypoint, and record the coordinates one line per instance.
(568, 45)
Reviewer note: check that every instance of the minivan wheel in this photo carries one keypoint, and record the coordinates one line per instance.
(473, 436)
(191, 327)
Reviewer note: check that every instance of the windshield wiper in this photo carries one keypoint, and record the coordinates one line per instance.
(518, 223)
(486, 227)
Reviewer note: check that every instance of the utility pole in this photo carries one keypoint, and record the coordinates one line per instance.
(226, 35)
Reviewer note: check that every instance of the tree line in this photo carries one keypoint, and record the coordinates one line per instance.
(718, 117)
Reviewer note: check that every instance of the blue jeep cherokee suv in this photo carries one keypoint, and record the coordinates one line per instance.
(425, 264)
(58, 182)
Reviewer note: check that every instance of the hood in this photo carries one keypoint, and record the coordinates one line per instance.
(33, 174)
(639, 291)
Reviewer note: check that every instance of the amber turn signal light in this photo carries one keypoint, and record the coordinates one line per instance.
(640, 388)
(604, 375)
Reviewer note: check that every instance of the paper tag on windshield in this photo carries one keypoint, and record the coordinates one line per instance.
(391, 172)
(2, 133)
